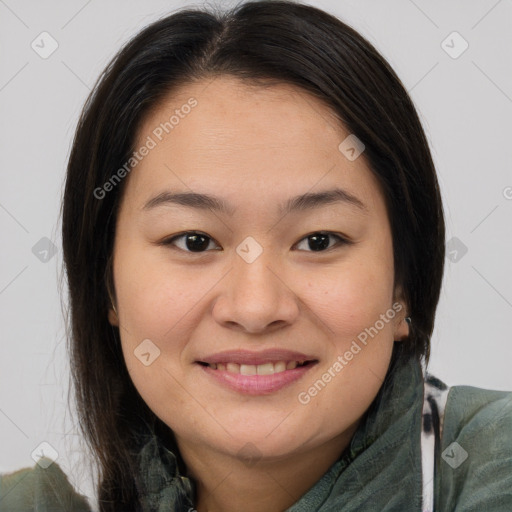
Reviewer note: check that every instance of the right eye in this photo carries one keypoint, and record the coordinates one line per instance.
(190, 241)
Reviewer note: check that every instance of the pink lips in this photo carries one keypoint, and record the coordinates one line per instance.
(262, 357)
(256, 384)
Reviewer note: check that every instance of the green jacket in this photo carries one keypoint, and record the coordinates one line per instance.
(383, 469)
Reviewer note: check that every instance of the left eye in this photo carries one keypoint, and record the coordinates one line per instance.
(194, 241)
(319, 241)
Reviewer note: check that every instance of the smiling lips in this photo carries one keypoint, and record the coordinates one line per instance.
(260, 369)
(257, 373)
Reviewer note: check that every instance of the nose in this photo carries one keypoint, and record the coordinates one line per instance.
(256, 297)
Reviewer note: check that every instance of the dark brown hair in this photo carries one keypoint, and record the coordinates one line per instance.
(259, 42)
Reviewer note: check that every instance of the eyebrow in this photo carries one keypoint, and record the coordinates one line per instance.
(307, 201)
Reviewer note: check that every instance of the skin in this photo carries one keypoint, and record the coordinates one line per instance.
(254, 147)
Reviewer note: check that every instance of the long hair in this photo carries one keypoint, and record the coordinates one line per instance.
(259, 42)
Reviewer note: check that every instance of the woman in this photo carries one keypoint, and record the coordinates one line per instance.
(253, 238)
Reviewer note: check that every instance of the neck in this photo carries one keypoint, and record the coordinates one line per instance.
(226, 483)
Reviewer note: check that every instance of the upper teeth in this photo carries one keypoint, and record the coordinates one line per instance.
(256, 369)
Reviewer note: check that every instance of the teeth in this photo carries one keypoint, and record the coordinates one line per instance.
(233, 368)
(260, 369)
(265, 369)
(246, 369)
(279, 367)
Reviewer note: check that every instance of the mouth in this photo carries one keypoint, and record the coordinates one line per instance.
(256, 373)
(269, 368)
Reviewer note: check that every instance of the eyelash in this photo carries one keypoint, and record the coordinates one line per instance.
(341, 240)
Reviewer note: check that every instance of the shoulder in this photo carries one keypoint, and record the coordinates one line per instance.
(39, 488)
(475, 465)
(472, 414)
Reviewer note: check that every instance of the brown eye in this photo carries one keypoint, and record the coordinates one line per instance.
(191, 241)
(319, 241)
(197, 242)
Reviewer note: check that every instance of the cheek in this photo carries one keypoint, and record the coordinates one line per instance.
(154, 299)
(357, 315)
(155, 305)
(351, 296)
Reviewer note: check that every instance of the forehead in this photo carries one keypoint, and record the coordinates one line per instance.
(222, 132)
(228, 110)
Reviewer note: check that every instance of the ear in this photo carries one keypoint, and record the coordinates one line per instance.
(112, 312)
(113, 318)
(401, 330)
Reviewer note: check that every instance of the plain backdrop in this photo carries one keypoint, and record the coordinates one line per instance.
(464, 99)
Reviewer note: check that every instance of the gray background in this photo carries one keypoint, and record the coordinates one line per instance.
(465, 105)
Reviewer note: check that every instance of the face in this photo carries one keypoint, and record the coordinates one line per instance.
(256, 317)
